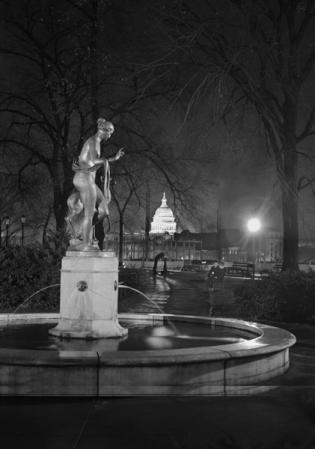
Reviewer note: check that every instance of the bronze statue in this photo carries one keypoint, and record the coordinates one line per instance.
(88, 199)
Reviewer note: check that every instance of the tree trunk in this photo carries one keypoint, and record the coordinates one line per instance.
(93, 72)
(288, 181)
(62, 191)
(59, 205)
(93, 66)
(290, 213)
(147, 220)
(219, 231)
(61, 195)
(121, 240)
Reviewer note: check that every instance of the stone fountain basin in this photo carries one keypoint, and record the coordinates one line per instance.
(237, 368)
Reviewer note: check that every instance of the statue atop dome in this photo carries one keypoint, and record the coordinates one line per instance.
(163, 219)
(164, 201)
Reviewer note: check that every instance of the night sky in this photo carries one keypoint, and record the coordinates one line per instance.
(167, 97)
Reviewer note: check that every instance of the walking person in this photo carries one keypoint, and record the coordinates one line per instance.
(215, 281)
(210, 280)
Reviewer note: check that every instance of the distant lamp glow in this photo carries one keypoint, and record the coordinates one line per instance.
(254, 225)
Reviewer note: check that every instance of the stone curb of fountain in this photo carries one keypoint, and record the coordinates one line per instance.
(230, 369)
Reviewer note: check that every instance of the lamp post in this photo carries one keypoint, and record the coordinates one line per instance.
(23, 220)
(254, 226)
(7, 224)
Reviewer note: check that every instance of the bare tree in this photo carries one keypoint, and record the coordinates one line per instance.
(45, 101)
(124, 196)
(263, 53)
(66, 74)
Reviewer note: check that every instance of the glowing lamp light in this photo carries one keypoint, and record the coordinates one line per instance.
(254, 225)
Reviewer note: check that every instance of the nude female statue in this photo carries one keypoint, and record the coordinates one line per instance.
(82, 203)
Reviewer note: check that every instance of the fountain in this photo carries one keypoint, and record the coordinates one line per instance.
(86, 355)
(196, 367)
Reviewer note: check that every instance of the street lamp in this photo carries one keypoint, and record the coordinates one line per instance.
(254, 226)
(23, 220)
(7, 224)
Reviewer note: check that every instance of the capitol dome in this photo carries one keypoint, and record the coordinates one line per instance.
(163, 219)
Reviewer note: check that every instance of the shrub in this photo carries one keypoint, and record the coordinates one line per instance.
(25, 270)
(288, 296)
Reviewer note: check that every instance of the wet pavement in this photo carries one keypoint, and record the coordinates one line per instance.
(180, 293)
(278, 420)
(283, 417)
(177, 293)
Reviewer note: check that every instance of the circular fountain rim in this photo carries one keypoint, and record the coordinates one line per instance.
(267, 340)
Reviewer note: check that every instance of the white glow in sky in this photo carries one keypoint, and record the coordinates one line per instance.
(254, 224)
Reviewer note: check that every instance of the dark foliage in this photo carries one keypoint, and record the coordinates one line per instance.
(288, 296)
(24, 271)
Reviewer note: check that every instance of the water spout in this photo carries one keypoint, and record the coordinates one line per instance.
(152, 302)
(32, 295)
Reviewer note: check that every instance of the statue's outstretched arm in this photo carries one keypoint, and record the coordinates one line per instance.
(120, 153)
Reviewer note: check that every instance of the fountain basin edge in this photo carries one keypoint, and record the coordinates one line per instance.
(230, 369)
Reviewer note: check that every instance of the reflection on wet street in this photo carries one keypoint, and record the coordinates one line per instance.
(177, 293)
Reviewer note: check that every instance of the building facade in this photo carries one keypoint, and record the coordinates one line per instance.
(233, 245)
(163, 219)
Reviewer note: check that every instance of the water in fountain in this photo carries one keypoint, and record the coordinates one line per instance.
(142, 335)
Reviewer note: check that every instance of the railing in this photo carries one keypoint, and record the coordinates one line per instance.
(241, 269)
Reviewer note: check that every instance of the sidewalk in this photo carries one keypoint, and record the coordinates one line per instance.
(278, 419)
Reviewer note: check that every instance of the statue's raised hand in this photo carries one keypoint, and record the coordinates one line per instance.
(120, 153)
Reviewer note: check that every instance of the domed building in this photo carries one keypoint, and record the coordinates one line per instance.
(163, 219)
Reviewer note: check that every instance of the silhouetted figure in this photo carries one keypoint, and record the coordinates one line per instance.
(216, 276)
(156, 260)
(165, 267)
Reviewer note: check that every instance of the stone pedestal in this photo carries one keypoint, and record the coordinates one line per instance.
(89, 293)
